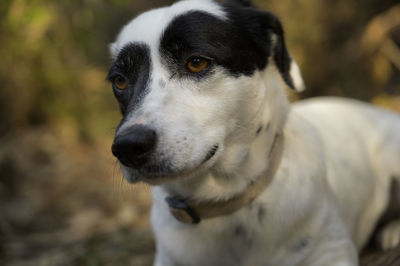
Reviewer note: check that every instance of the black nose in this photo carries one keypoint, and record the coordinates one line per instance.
(134, 146)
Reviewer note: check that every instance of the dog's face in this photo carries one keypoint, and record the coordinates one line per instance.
(187, 79)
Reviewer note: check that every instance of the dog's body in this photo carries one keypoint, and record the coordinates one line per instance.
(322, 205)
(206, 136)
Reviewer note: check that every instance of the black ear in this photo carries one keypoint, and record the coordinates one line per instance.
(267, 31)
(287, 67)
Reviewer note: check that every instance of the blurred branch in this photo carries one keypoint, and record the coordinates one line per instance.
(391, 51)
(379, 28)
(378, 45)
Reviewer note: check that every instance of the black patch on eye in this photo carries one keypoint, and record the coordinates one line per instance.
(229, 42)
(133, 63)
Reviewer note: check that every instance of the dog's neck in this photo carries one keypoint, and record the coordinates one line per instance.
(244, 158)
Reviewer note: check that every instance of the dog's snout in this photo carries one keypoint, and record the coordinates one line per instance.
(134, 146)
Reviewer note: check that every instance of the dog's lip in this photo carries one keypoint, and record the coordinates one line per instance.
(165, 178)
(211, 153)
(159, 179)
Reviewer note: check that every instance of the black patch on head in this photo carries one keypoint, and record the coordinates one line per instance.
(242, 43)
(228, 43)
(134, 64)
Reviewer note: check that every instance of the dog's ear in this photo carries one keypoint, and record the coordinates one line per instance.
(267, 32)
(286, 65)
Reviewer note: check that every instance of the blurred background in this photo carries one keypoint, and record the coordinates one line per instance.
(63, 200)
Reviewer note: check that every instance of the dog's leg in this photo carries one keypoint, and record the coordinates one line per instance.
(389, 236)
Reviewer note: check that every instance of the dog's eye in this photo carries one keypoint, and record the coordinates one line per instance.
(197, 64)
(120, 82)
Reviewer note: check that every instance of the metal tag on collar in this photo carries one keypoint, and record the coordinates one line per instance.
(182, 211)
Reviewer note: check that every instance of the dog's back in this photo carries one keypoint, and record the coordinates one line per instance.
(362, 147)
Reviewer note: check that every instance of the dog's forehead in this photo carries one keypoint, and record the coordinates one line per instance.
(149, 26)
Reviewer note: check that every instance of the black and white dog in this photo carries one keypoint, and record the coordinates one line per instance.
(239, 176)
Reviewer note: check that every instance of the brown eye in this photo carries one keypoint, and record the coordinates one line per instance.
(197, 64)
(120, 82)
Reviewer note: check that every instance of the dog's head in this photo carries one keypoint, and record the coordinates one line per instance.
(189, 79)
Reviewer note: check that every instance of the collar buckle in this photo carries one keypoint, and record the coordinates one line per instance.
(182, 211)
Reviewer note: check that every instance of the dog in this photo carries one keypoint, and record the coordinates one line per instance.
(239, 176)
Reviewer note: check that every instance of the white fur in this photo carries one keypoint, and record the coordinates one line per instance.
(330, 189)
(296, 76)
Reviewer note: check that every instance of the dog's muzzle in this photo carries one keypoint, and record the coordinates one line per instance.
(134, 146)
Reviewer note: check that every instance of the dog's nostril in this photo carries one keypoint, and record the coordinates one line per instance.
(134, 146)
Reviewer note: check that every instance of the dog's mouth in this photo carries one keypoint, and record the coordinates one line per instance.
(211, 153)
(162, 173)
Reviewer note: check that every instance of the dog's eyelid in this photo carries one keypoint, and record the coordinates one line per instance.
(193, 56)
(115, 74)
(113, 71)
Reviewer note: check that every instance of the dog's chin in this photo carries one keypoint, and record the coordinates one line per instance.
(159, 174)
(159, 177)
